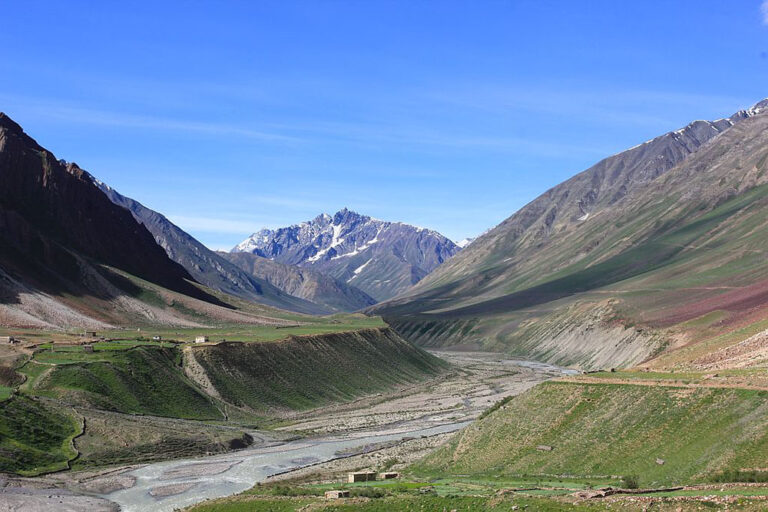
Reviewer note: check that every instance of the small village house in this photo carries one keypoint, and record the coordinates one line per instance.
(388, 475)
(88, 349)
(361, 476)
(201, 339)
(8, 339)
(332, 495)
(157, 338)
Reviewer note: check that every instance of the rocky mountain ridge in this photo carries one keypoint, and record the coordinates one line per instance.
(380, 258)
(302, 282)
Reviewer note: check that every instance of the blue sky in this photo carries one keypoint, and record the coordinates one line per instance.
(231, 116)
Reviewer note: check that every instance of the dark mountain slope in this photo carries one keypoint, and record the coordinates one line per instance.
(659, 228)
(49, 208)
(69, 257)
(302, 282)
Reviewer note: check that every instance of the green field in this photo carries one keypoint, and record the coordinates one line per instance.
(452, 496)
(298, 325)
(5, 393)
(303, 326)
(599, 431)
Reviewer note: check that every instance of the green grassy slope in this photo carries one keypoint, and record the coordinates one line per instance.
(482, 501)
(309, 371)
(141, 380)
(137, 402)
(36, 436)
(600, 430)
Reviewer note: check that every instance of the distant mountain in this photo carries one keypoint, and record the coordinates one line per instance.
(383, 259)
(208, 267)
(464, 242)
(302, 282)
(69, 256)
(597, 270)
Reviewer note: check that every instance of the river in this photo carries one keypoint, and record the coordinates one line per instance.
(436, 407)
(195, 480)
(171, 485)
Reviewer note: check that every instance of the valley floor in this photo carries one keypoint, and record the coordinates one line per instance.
(496, 476)
(396, 428)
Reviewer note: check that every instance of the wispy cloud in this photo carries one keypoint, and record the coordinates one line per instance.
(417, 136)
(54, 110)
(764, 11)
(607, 105)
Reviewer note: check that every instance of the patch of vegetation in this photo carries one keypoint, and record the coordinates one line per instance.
(421, 502)
(307, 372)
(665, 435)
(495, 407)
(9, 377)
(113, 438)
(741, 475)
(304, 325)
(630, 482)
(35, 436)
(143, 380)
(5, 393)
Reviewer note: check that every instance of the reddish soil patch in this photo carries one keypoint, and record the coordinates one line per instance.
(741, 301)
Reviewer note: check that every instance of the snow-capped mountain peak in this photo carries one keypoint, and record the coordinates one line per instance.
(339, 244)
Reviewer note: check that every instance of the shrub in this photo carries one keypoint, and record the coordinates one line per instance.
(368, 492)
(630, 482)
(496, 406)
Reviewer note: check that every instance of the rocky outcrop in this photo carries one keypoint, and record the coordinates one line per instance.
(302, 282)
(59, 234)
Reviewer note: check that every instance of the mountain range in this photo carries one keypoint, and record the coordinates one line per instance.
(646, 257)
(650, 251)
(383, 259)
(76, 252)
